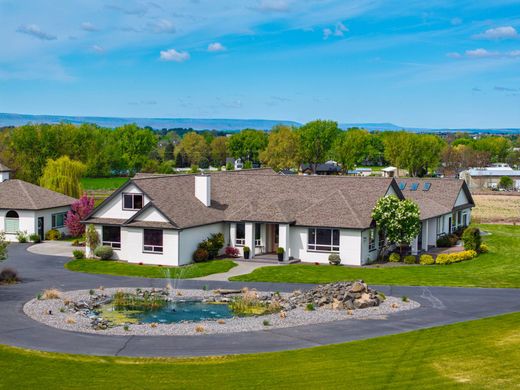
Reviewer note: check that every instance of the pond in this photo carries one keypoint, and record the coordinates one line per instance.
(172, 312)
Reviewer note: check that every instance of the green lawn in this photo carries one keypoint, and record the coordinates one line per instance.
(122, 268)
(498, 268)
(483, 354)
(102, 183)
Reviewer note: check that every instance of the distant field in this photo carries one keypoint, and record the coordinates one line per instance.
(102, 183)
(496, 209)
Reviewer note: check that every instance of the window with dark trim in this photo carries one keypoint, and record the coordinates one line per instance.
(372, 239)
(323, 240)
(153, 241)
(111, 236)
(58, 220)
(240, 238)
(132, 201)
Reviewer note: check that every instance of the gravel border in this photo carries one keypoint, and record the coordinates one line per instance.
(38, 310)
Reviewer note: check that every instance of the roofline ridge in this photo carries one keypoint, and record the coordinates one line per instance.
(21, 184)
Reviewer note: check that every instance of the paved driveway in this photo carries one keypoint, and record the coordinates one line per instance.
(53, 248)
(440, 306)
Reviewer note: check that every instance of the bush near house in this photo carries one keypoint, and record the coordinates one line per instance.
(231, 251)
(334, 259)
(447, 240)
(78, 254)
(213, 244)
(22, 237)
(426, 260)
(410, 259)
(104, 252)
(200, 255)
(35, 238)
(394, 258)
(445, 259)
(484, 248)
(471, 238)
(53, 235)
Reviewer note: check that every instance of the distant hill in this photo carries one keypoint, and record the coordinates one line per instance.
(217, 124)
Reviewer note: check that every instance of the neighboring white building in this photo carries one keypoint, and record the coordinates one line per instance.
(489, 177)
(161, 219)
(29, 208)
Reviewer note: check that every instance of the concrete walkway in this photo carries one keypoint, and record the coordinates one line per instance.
(440, 306)
(243, 267)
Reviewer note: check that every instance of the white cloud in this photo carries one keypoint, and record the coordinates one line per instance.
(514, 53)
(174, 55)
(98, 49)
(327, 32)
(216, 47)
(339, 31)
(161, 26)
(454, 55)
(273, 6)
(480, 53)
(87, 26)
(504, 32)
(35, 31)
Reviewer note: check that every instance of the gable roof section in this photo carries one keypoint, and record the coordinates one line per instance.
(135, 221)
(440, 198)
(20, 195)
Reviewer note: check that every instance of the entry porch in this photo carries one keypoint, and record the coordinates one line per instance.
(262, 238)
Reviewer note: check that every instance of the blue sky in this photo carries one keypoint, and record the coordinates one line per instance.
(414, 63)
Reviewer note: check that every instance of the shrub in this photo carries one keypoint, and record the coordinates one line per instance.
(249, 303)
(22, 237)
(200, 255)
(104, 252)
(213, 244)
(91, 237)
(280, 251)
(447, 240)
(51, 293)
(443, 259)
(426, 260)
(231, 251)
(334, 259)
(404, 298)
(78, 254)
(394, 258)
(246, 249)
(309, 307)
(35, 238)
(484, 248)
(53, 235)
(462, 256)
(410, 259)
(266, 323)
(8, 275)
(471, 238)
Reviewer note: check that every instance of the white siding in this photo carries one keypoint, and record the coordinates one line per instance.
(190, 238)
(47, 219)
(132, 248)
(461, 199)
(349, 241)
(367, 256)
(151, 215)
(26, 223)
(114, 208)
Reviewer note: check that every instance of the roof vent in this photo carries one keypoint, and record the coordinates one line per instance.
(414, 187)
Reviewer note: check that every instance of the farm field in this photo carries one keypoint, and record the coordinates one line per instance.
(496, 208)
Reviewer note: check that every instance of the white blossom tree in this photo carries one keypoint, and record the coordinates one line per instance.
(399, 220)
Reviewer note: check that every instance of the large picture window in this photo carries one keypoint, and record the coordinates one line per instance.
(240, 239)
(58, 220)
(153, 241)
(112, 236)
(132, 201)
(323, 240)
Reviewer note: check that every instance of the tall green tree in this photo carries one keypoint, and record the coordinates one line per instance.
(219, 151)
(316, 140)
(134, 146)
(282, 150)
(195, 147)
(350, 148)
(247, 144)
(63, 175)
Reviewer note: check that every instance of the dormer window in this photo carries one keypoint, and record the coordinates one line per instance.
(132, 201)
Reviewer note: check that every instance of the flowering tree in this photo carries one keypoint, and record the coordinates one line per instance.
(79, 210)
(399, 220)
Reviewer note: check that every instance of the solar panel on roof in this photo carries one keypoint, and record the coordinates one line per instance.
(414, 187)
(427, 186)
(402, 185)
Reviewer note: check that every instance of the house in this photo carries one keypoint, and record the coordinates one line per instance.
(160, 219)
(327, 168)
(489, 177)
(390, 172)
(29, 208)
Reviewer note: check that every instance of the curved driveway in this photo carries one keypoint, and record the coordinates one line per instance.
(440, 306)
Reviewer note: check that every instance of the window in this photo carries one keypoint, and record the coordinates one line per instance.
(112, 236)
(12, 222)
(58, 220)
(440, 226)
(427, 186)
(240, 239)
(402, 185)
(153, 241)
(372, 240)
(414, 187)
(258, 235)
(382, 238)
(132, 201)
(325, 240)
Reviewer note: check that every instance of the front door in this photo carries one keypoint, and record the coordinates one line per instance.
(272, 237)
(40, 228)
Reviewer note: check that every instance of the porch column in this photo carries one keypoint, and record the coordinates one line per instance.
(232, 234)
(415, 250)
(425, 235)
(250, 238)
(283, 239)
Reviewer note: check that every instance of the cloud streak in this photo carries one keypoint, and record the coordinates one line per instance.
(172, 55)
(35, 31)
(504, 32)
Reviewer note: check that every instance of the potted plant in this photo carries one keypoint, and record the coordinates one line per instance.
(246, 252)
(280, 252)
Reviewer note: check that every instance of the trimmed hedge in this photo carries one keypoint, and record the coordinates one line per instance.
(445, 259)
(426, 260)
(410, 259)
(104, 252)
(394, 258)
(334, 259)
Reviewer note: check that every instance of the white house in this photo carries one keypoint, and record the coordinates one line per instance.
(29, 208)
(489, 177)
(160, 219)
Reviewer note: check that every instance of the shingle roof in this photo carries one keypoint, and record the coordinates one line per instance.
(439, 199)
(262, 195)
(3, 168)
(20, 195)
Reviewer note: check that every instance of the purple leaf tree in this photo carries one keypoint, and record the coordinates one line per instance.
(79, 210)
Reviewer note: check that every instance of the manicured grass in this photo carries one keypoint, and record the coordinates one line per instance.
(483, 354)
(122, 268)
(498, 268)
(102, 183)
